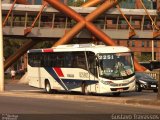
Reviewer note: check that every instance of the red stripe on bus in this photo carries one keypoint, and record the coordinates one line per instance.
(59, 72)
(47, 50)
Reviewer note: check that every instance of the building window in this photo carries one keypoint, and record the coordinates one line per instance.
(148, 43)
(154, 4)
(155, 43)
(131, 4)
(128, 44)
(143, 43)
(118, 42)
(133, 43)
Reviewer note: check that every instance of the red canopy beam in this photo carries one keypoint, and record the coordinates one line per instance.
(21, 51)
(77, 17)
(15, 1)
(91, 3)
(61, 7)
(5, 20)
(67, 37)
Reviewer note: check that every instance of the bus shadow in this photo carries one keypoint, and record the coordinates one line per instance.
(122, 95)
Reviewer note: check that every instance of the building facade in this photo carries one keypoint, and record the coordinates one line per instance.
(144, 49)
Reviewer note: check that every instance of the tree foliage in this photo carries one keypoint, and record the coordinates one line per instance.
(76, 3)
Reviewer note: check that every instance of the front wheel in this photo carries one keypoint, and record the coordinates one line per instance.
(48, 88)
(84, 89)
(138, 88)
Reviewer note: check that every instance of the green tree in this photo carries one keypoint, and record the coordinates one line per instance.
(76, 3)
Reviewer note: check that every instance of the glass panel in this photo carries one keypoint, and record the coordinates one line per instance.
(116, 66)
(131, 4)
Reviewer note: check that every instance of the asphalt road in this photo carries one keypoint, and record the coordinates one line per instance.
(47, 106)
(30, 103)
(146, 94)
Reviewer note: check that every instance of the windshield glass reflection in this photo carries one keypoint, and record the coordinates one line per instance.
(116, 65)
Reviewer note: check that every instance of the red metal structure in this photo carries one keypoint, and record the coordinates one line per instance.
(15, 1)
(82, 22)
(91, 3)
(4, 22)
(86, 22)
(29, 44)
(29, 29)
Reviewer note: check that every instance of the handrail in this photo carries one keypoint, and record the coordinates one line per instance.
(5, 20)
(95, 2)
(118, 7)
(28, 30)
(153, 23)
(132, 32)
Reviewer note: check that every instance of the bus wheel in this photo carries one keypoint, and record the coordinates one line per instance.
(84, 89)
(48, 87)
(138, 88)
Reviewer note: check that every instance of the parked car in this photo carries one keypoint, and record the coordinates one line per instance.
(146, 82)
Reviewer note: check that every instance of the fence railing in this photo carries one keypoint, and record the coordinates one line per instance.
(155, 74)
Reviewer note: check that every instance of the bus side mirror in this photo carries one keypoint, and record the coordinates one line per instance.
(96, 61)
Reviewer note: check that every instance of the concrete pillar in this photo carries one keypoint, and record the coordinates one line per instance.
(1, 53)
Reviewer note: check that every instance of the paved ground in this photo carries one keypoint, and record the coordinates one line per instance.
(33, 103)
(139, 98)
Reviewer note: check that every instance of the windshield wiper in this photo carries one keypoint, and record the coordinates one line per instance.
(106, 76)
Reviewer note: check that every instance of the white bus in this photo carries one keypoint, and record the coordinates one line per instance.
(87, 68)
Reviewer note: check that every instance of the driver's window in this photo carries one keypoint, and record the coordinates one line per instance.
(92, 63)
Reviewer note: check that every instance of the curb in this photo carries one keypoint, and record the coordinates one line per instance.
(144, 102)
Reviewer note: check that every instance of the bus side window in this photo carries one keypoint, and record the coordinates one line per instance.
(34, 61)
(92, 63)
(59, 60)
(52, 60)
(79, 60)
(42, 60)
(46, 60)
(68, 63)
(30, 59)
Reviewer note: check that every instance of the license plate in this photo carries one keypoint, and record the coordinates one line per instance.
(120, 89)
(153, 85)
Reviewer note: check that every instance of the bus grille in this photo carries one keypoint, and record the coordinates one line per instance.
(117, 89)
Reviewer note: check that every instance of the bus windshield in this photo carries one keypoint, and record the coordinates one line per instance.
(116, 66)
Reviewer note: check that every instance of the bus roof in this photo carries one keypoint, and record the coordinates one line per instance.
(83, 47)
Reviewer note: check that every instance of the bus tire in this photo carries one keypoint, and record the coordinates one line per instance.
(138, 88)
(48, 87)
(84, 89)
